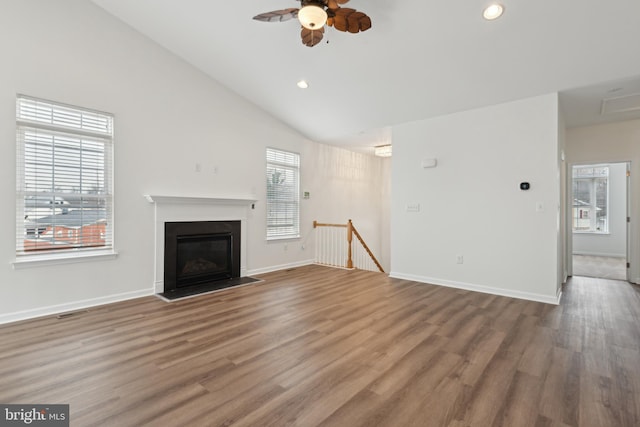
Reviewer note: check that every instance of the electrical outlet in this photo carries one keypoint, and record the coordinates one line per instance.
(459, 259)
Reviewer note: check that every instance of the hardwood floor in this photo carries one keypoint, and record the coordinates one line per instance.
(317, 346)
(604, 267)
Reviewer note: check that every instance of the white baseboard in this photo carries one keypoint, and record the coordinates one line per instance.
(72, 306)
(280, 267)
(480, 288)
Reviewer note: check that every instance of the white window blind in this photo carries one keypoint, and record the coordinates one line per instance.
(283, 194)
(64, 178)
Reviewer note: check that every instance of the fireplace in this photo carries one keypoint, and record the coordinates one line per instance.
(200, 255)
(192, 217)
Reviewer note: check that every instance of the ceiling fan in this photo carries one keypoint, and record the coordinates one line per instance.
(314, 14)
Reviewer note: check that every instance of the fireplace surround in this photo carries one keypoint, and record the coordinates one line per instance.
(189, 209)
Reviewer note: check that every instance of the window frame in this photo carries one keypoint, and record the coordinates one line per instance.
(593, 182)
(288, 161)
(82, 127)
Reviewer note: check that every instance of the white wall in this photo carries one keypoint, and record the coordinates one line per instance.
(614, 243)
(168, 117)
(611, 143)
(471, 204)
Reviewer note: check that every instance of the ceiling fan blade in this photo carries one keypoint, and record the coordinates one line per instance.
(277, 15)
(350, 20)
(311, 37)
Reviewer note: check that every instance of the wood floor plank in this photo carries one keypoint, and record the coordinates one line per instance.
(520, 405)
(316, 346)
(413, 363)
(535, 359)
(495, 381)
(357, 410)
(478, 354)
(414, 403)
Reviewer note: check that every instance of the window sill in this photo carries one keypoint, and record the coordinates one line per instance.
(42, 260)
(278, 239)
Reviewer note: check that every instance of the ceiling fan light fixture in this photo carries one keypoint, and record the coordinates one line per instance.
(312, 17)
(493, 11)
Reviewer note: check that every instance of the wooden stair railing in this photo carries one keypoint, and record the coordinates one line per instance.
(338, 252)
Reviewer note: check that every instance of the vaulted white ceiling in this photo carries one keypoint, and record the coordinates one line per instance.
(420, 59)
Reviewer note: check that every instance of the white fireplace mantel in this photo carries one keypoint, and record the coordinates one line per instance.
(163, 199)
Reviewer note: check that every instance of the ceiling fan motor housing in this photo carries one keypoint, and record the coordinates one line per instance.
(319, 3)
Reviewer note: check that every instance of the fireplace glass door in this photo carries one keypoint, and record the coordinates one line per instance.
(203, 258)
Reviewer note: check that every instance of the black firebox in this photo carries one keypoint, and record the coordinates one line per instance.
(200, 254)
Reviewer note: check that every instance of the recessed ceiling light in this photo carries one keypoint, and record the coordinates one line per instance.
(493, 11)
(302, 84)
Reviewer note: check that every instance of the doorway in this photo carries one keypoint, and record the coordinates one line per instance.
(599, 220)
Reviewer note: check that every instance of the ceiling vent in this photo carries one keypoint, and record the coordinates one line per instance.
(621, 104)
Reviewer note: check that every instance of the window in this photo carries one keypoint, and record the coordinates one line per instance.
(283, 195)
(590, 199)
(64, 178)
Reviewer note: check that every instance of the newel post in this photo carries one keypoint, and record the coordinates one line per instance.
(349, 239)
